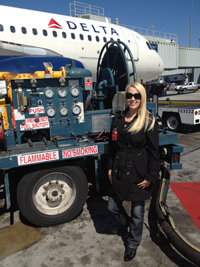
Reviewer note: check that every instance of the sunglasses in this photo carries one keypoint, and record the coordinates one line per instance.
(137, 96)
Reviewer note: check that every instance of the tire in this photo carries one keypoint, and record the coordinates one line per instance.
(52, 196)
(173, 122)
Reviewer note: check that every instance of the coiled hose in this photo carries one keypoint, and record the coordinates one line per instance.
(187, 249)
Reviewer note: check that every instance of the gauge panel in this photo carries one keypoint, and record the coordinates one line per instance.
(49, 92)
(62, 92)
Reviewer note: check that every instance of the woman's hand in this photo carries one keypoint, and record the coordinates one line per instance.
(144, 184)
(110, 175)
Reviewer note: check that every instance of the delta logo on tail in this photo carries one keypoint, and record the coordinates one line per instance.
(54, 24)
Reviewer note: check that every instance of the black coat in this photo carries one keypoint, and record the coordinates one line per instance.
(133, 158)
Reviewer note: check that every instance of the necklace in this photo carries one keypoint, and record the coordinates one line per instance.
(130, 117)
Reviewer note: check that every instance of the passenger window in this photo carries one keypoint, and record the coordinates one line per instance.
(1, 28)
(97, 38)
(89, 38)
(104, 39)
(12, 29)
(73, 35)
(64, 35)
(81, 37)
(44, 32)
(23, 30)
(54, 33)
(34, 31)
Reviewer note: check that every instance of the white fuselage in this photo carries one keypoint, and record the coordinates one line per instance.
(76, 38)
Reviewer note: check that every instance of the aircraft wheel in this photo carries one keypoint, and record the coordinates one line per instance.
(52, 196)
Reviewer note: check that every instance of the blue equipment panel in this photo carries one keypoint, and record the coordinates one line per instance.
(56, 109)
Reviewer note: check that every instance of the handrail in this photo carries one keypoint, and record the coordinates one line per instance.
(78, 8)
(155, 35)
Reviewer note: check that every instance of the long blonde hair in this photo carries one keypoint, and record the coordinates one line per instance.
(143, 119)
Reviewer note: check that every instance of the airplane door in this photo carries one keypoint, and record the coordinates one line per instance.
(131, 42)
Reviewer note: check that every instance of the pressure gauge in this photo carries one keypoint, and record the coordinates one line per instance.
(51, 112)
(49, 92)
(62, 92)
(76, 110)
(63, 111)
(74, 91)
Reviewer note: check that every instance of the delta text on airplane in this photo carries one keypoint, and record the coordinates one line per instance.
(72, 37)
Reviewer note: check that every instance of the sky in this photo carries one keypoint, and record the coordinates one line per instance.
(170, 16)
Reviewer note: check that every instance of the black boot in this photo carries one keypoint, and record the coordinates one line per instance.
(129, 254)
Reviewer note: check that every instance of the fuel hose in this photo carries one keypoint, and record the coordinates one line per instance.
(187, 249)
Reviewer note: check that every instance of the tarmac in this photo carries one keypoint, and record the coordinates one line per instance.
(91, 239)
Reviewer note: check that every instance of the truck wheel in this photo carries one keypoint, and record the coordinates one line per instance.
(52, 196)
(173, 122)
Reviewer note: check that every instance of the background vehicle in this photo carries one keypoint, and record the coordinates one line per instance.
(177, 113)
(190, 86)
(179, 88)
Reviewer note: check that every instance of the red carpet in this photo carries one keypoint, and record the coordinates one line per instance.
(189, 196)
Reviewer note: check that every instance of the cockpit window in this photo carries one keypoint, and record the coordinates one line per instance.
(1, 28)
(149, 46)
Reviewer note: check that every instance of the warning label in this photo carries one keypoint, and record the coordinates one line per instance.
(77, 152)
(36, 158)
(31, 123)
(36, 110)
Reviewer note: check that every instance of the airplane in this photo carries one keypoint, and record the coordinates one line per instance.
(46, 34)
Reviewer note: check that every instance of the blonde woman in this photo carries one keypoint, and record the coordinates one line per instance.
(133, 165)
